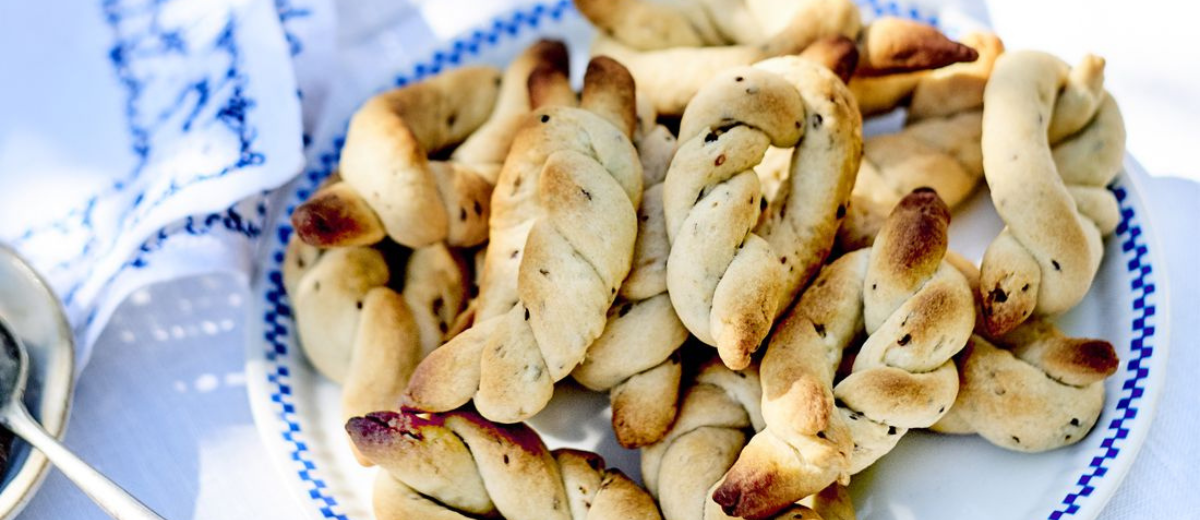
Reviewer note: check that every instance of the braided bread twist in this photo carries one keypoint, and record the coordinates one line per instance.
(917, 311)
(390, 185)
(328, 291)
(359, 331)
(600, 129)
(719, 409)
(486, 148)
(672, 74)
(384, 165)
(727, 280)
(1053, 201)
(646, 37)
(580, 243)
(1038, 391)
(355, 328)
(635, 356)
(457, 465)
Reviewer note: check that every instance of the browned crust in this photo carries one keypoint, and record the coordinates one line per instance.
(1008, 285)
(549, 86)
(1094, 356)
(893, 45)
(916, 232)
(337, 216)
(1072, 361)
(609, 92)
(552, 53)
(837, 53)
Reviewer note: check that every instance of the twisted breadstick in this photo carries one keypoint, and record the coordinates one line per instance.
(1047, 256)
(1031, 397)
(391, 186)
(459, 465)
(634, 358)
(608, 90)
(579, 248)
(726, 282)
(487, 147)
(358, 331)
(385, 165)
(373, 348)
(671, 71)
(672, 76)
(719, 409)
(1040, 391)
(917, 310)
(939, 149)
(328, 291)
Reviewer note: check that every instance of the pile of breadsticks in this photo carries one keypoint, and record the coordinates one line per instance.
(703, 232)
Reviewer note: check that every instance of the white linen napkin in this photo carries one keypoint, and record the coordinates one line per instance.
(136, 139)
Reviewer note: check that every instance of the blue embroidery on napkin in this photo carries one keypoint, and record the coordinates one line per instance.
(142, 43)
(220, 98)
(288, 11)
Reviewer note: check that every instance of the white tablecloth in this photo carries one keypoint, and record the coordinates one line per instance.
(161, 407)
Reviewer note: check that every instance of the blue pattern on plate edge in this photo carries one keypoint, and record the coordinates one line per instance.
(278, 315)
(1142, 286)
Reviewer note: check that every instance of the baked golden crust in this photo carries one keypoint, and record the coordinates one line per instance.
(392, 188)
(1033, 389)
(564, 213)
(728, 275)
(890, 45)
(917, 311)
(457, 464)
(485, 149)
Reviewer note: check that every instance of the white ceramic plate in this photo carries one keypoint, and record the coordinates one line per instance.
(927, 476)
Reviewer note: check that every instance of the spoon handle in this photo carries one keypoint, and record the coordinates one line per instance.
(115, 501)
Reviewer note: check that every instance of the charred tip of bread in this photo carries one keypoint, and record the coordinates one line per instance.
(552, 53)
(336, 216)
(893, 45)
(1097, 355)
(1080, 362)
(609, 91)
(548, 86)
(917, 230)
(749, 498)
(836, 53)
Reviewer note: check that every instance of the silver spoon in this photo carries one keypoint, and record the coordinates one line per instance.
(14, 370)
